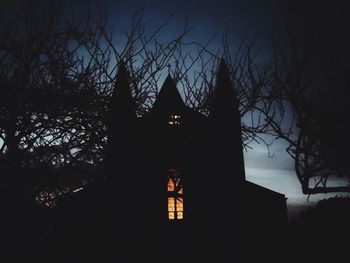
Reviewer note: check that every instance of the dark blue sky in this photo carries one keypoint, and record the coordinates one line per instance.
(242, 20)
(241, 17)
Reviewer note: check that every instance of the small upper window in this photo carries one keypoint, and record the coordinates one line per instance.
(174, 119)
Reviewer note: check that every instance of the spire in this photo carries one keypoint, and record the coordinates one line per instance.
(226, 121)
(225, 101)
(169, 99)
(121, 126)
(122, 103)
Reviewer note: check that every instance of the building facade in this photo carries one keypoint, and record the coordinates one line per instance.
(175, 187)
(181, 172)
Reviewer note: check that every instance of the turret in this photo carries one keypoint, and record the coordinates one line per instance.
(226, 125)
(122, 107)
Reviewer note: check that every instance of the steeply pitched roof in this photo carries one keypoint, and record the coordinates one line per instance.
(122, 103)
(225, 97)
(226, 123)
(169, 99)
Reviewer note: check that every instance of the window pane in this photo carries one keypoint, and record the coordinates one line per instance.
(171, 204)
(179, 204)
(171, 215)
(175, 194)
(171, 186)
(174, 119)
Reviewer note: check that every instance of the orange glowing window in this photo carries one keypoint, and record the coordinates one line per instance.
(171, 186)
(174, 119)
(175, 195)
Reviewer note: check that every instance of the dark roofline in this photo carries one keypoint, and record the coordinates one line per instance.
(265, 189)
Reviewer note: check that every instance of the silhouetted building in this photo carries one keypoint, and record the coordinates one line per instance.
(176, 180)
(178, 171)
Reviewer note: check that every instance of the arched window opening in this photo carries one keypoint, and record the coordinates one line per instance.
(175, 195)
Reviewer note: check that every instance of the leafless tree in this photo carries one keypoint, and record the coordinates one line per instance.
(57, 74)
(308, 100)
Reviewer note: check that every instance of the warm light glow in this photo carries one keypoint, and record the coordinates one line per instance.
(171, 204)
(174, 119)
(179, 205)
(171, 186)
(171, 215)
(175, 195)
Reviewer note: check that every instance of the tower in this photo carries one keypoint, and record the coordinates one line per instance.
(226, 127)
(175, 182)
(189, 168)
(120, 168)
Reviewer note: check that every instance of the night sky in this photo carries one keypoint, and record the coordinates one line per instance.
(242, 20)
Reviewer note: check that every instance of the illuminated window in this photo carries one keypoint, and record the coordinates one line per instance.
(174, 119)
(175, 195)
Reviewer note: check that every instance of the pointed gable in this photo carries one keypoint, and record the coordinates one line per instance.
(169, 99)
(121, 120)
(225, 103)
(226, 125)
(122, 106)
